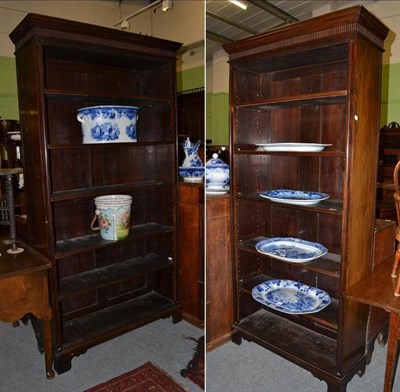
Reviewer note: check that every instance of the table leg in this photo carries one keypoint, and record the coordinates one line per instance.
(48, 348)
(392, 351)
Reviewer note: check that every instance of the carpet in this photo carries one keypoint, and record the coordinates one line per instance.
(195, 368)
(147, 377)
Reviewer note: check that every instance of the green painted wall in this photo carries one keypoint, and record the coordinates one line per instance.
(217, 118)
(8, 89)
(190, 78)
(390, 98)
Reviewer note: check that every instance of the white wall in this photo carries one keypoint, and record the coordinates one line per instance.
(388, 12)
(183, 23)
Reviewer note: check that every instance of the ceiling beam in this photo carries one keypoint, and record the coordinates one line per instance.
(232, 23)
(273, 10)
(217, 38)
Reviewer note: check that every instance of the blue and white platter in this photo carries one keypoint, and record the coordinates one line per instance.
(289, 196)
(291, 297)
(290, 249)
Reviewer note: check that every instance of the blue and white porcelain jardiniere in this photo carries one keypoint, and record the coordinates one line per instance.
(108, 124)
(192, 174)
(217, 174)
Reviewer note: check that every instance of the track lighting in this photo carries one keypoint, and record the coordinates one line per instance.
(126, 19)
(125, 25)
(166, 5)
(239, 3)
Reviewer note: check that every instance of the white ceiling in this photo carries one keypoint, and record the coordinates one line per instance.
(225, 22)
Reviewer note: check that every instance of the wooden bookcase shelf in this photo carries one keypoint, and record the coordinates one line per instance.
(103, 190)
(326, 317)
(315, 81)
(328, 206)
(99, 288)
(94, 241)
(111, 274)
(307, 348)
(256, 150)
(60, 94)
(90, 146)
(329, 264)
(333, 97)
(114, 320)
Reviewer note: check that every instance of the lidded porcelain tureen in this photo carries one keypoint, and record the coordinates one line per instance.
(217, 175)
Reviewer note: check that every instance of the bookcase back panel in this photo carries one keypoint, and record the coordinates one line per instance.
(73, 217)
(154, 205)
(140, 164)
(271, 220)
(278, 78)
(154, 124)
(300, 124)
(290, 172)
(161, 245)
(69, 161)
(101, 298)
(275, 269)
(87, 73)
(117, 292)
(247, 306)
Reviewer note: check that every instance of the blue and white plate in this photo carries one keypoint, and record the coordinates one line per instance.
(290, 249)
(289, 196)
(291, 297)
(294, 147)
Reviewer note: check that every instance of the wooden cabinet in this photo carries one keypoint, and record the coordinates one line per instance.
(384, 248)
(99, 288)
(219, 288)
(191, 211)
(389, 155)
(316, 81)
(191, 252)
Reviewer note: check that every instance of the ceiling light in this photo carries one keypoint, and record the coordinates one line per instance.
(239, 3)
(152, 5)
(166, 5)
(125, 25)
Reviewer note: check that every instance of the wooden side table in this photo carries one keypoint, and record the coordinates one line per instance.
(377, 290)
(23, 290)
